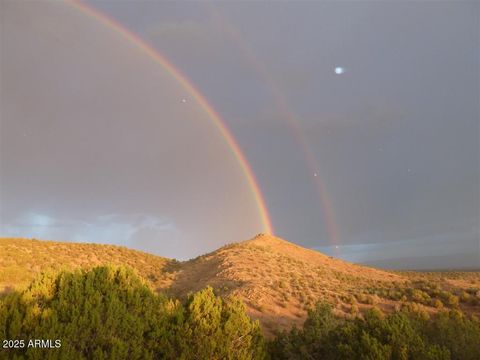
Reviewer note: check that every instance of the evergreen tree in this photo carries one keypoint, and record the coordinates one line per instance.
(110, 313)
(218, 329)
(404, 335)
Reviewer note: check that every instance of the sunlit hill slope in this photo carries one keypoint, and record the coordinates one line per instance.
(277, 280)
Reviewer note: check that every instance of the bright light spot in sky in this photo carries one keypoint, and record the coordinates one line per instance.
(184, 101)
(315, 174)
(339, 70)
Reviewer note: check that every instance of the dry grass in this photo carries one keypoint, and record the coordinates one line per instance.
(21, 260)
(277, 280)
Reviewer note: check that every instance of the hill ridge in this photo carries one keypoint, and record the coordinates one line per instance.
(277, 280)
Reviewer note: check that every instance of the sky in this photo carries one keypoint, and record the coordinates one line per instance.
(359, 120)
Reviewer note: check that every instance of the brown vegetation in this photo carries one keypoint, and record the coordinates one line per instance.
(21, 260)
(277, 280)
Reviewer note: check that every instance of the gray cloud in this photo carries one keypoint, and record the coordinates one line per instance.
(438, 250)
(141, 231)
(92, 126)
(395, 137)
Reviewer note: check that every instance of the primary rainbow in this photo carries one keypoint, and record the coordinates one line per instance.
(292, 121)
(195, 93)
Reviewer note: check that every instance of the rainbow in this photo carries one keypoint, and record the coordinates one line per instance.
(146, 48)
(281, 102)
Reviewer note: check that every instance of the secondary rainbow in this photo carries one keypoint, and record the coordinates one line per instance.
(292, 121)
(197, 95)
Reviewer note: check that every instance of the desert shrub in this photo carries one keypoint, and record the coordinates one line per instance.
(77, 307)
(473, 291)
(398, 336)
(420, 296)
(394, 294)
(308, 342)
(361, 298)
(218, 329)
(437, 304)
(457, 332)
(465, 297)
(354, 310)
(372, 299)
(414, 307)
(109, 313)
(452, 300)
(349, 299)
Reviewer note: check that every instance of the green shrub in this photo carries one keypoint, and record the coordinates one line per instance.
(465, 297)
(109, 313)
(349, 299)
(372, 299)
(452, 300)
(420, 296)
(437, 303)
(399, 336)
(361, 298)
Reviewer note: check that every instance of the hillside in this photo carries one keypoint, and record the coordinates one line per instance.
(276, 279)
(279, 280)
(21, 260)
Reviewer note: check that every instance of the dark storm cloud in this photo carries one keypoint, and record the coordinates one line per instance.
(396, 137)
(94, 132)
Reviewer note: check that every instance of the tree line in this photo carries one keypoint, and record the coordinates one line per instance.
(110, 313)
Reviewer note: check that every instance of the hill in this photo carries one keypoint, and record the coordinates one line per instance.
(21, 260)
(277, 280)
